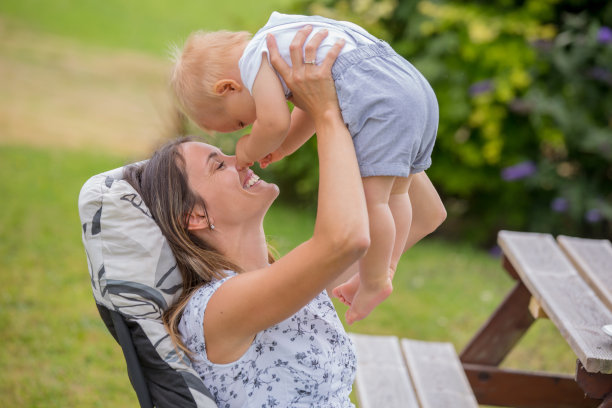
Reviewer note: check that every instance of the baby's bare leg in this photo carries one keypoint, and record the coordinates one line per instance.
(401, 209)
(427, 208)
(399, 204)
(427, 214)
(373, 284)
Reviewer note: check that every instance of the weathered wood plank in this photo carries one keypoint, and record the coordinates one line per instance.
(437, 375)
(382, 376)
(593, 259)
(566, 298)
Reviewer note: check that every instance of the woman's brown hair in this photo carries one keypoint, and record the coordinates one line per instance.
(162, 183)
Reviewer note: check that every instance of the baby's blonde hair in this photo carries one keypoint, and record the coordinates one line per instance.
(205, 58)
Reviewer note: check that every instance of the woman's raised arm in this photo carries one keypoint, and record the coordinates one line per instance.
(256, 300)
(339, 179)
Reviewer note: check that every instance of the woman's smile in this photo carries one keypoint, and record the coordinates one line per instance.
(250, 180)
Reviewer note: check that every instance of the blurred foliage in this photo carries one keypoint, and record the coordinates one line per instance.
(525, 135)
(150, 26)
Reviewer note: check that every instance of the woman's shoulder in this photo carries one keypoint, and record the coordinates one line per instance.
(193, 314)
(203, 294)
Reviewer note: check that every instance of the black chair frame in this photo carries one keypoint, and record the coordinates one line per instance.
(121, 333)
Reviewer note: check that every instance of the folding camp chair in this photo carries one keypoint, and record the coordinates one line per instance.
(134, 278)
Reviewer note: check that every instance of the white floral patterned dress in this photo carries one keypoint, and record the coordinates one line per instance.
(305, 361)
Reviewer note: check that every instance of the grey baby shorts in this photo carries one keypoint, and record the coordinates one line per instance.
(390, 109)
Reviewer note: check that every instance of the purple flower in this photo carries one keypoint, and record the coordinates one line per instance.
(518, 171)
(604, 35)
(559, 205)
(480, 87)
(495, 251)
(600, 74)
(592, 216)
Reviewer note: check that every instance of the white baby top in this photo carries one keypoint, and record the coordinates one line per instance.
(284, 27)
(307, 360)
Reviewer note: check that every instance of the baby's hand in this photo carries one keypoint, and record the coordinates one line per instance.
(271, 158)
(242, 160)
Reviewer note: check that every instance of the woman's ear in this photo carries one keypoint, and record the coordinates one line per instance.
(196, 220)
(225, 86)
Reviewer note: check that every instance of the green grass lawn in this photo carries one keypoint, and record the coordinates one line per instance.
(140, 24)
(56, 351)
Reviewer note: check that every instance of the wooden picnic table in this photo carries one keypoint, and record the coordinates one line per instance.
(568, 280)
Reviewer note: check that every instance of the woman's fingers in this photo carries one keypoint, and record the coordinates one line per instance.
(312, 87)
(332, 54)
(301, 54)
(310, 50)
(275, 58)
(297, 45)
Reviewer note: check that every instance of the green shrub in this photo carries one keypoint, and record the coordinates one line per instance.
(525, 134)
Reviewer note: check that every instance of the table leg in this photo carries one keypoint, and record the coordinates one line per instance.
(512, 388)
(521, 389)
(502, 331)
(595, 385)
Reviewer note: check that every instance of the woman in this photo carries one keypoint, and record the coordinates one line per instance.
(262, 334)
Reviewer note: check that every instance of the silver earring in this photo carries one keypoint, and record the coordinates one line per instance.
(210, 224)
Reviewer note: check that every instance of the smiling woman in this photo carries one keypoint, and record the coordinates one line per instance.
(229, 192)
(212, 212)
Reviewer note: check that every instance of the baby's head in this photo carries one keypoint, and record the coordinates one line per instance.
(206, 58)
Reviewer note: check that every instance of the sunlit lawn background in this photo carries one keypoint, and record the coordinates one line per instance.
(83, 91)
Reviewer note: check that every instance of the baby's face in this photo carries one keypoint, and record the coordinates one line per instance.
(238, 111)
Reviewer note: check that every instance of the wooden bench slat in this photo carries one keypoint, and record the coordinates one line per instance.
(437, 375)
(593, 259)
(566, 298)
(382, 378)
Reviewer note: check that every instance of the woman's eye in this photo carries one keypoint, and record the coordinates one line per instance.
(221, 165)
(241, 125)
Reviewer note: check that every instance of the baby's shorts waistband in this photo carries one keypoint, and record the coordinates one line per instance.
(345, 61)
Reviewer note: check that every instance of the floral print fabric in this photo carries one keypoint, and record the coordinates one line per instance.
(307, 360)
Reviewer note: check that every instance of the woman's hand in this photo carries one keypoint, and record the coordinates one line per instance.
(312, 85)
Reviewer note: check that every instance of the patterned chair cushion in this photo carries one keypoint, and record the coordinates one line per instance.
(133, 272)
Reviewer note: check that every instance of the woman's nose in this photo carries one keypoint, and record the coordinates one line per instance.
(231, 161)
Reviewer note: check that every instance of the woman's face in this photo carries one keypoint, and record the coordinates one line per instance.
(231, 196)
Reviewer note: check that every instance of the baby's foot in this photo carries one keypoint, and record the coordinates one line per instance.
(366, 299)
(346, 291)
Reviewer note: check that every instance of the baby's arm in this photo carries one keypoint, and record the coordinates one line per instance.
(301, 129)
(273, 118)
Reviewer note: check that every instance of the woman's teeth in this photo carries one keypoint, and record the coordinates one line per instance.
(252, 180)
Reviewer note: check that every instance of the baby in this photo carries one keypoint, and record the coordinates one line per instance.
(224, 82)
